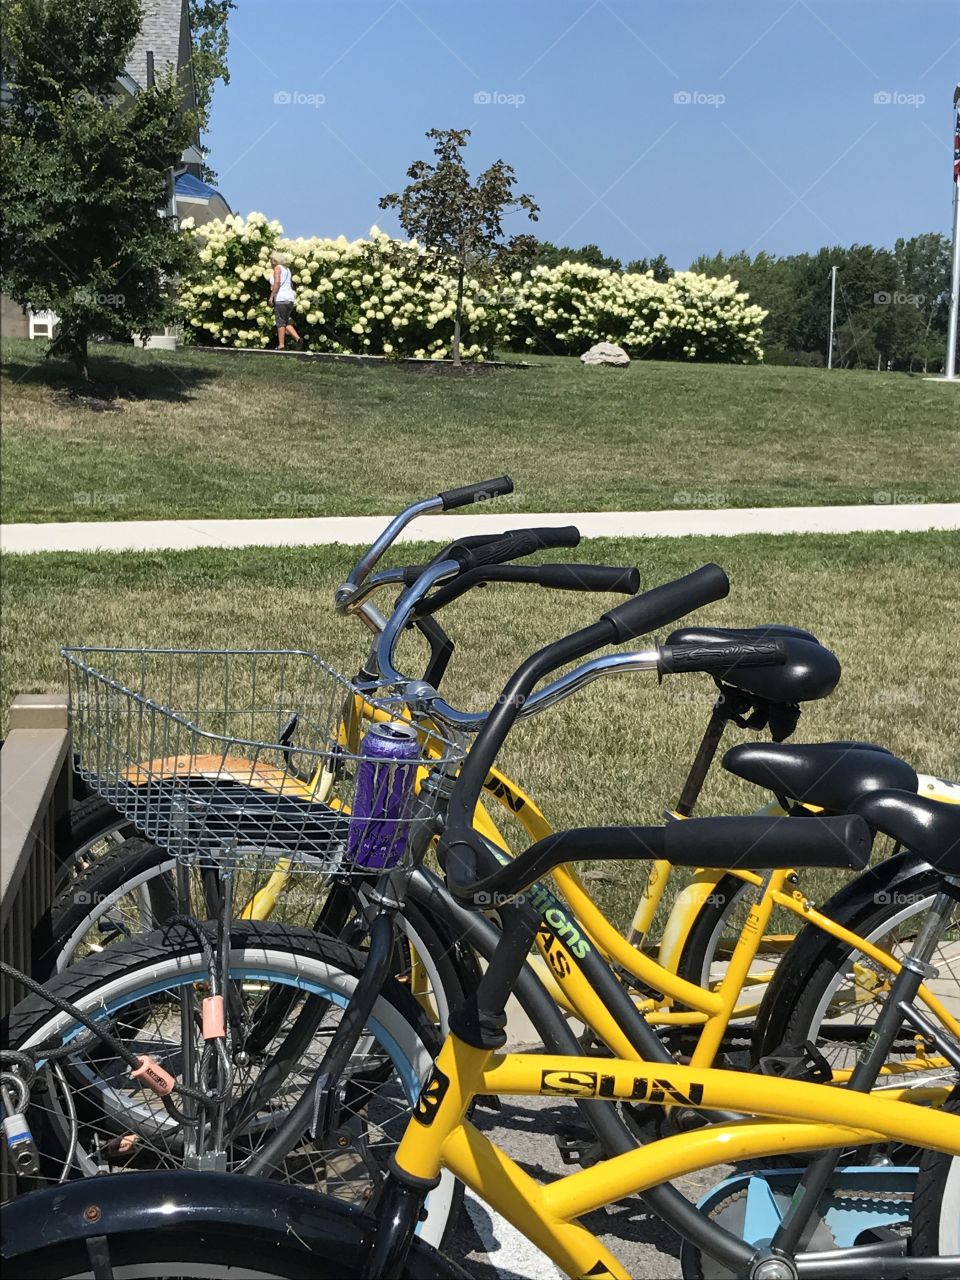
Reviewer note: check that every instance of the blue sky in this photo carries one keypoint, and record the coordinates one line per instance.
(645, 126)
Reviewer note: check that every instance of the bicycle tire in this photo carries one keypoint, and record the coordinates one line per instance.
(84, 902)
(94, 827)
(130, 974)
(137, 865)
(935, 1219)
(799, 1003)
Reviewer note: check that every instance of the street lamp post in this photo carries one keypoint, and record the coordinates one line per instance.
(950, 371)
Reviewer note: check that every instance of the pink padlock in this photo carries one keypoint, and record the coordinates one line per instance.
(213, 1021)
(153, 1076)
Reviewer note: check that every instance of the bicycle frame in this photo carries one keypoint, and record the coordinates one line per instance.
(572, 925)
(797, 1117)
(791, 1116)
(562, 940)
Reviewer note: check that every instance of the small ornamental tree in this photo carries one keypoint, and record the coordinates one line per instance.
(458, 222)
(85, 173)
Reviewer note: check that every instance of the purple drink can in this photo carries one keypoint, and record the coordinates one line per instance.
(380, 820)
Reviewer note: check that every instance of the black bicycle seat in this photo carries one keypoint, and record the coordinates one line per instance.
(829, 774)
(928, 827)
(811, 671)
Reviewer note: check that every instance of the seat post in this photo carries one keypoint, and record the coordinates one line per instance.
(703, 759)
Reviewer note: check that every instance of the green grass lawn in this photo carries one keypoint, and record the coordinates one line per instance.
(887, 604)
(197, 434)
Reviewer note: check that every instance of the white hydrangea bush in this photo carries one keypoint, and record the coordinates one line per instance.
(567, 308)
(376, 296)
(371, 296)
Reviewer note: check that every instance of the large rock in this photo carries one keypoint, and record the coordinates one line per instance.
(605, 353)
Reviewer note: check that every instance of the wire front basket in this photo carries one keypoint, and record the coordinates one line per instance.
(244, 757)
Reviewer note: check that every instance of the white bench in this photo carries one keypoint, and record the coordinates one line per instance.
(42, 323)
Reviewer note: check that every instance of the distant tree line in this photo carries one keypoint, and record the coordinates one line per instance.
(891, 303)
(547, 254)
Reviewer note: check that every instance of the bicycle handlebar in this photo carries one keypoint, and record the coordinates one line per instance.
(559, 577)
(467, 494)
(653, 608)
(513, 545)
(751, 842)
(718, 659)
(449, 500)
(666, 603)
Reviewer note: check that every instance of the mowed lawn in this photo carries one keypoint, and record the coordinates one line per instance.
(887, 604)
(202, 434)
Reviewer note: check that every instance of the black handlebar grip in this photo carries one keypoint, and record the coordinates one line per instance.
(667, 603)
(718, 659)
(589, 577)
(513, 546)
(470, 493)
(768, 843)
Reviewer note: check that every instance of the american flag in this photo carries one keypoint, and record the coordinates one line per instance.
(956, 137)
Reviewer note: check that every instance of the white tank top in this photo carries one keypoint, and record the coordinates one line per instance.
(285, 292)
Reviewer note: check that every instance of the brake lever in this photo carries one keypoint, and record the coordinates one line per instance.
(441, 649)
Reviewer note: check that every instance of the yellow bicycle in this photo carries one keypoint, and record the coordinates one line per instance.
(851, 945)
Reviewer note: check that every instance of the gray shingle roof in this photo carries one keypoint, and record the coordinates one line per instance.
(163, 31)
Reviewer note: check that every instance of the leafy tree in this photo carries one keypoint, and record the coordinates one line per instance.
(923, 266)
(548, 254)
(460, 222)
(85, 173)
(891, 305)
(661, 268)
(208, 24)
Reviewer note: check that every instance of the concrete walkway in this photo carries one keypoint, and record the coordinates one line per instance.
(182, 535)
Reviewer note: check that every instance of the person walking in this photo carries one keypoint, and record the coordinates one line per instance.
(282, 299)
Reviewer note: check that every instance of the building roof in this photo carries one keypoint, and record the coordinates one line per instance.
(191, 188)
(161, 32)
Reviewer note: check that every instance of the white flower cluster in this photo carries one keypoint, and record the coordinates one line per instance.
(378, 296)
(374, 296)
(565, 309)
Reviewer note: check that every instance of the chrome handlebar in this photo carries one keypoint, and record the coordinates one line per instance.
(345, 594)
(426, 698)
(353, 596)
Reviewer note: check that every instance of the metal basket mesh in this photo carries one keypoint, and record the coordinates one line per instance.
(246, 757)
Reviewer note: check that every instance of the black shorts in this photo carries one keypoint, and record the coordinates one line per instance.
(283, 311)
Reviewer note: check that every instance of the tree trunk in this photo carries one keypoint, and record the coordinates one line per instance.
(455, 347)
(80, 358)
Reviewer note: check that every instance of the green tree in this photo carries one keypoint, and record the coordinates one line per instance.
(208, 25)
(923, 266)
(85, 173)
(661, 268)
(459, 222)
(548, 254)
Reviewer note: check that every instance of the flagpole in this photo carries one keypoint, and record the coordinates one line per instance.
(950, 370)
(833, 313)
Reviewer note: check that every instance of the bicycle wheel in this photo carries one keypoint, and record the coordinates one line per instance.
(132, 890)
(128, 890)
(180, 1255)
(830, 993)
(935, 1223)
(141, 986)
(95, 828)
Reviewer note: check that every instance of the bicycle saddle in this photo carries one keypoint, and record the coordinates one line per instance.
(811, 671)
(928, 827)
(830, 774)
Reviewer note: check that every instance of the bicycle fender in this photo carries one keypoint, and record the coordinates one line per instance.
(844, 906)
(117, 1204)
